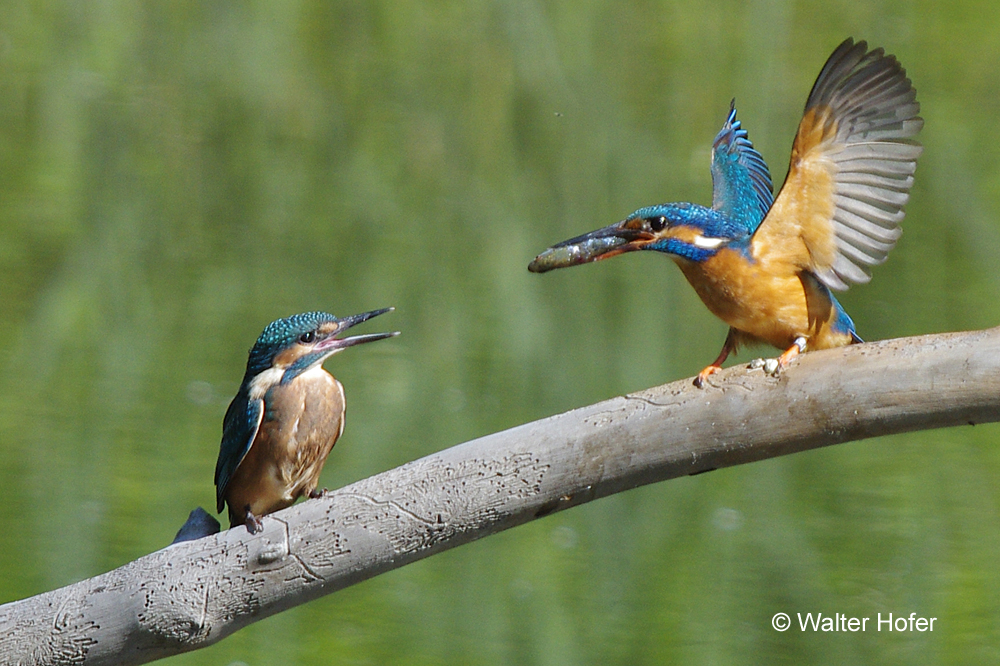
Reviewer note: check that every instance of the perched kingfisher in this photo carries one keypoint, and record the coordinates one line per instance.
(766, 266)
(286, 417)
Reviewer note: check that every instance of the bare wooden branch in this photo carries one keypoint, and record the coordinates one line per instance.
(194, 593)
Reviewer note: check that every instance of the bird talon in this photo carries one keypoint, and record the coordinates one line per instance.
(782, 361)
(253, 523)
(316, 493)
(699, 381)
(728, 347)
(774, 366)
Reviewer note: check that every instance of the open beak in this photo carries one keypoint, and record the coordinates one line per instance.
(334, 343)
(596, 245)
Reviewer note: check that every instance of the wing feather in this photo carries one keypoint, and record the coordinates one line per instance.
(741, 182)
(239, 429)
(852, 222)
(851, 170)
(872, 194)
(876, 180)
(861, 239)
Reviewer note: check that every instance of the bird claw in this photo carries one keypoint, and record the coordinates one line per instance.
(316, 493)
(774, 366)
(254, 524)
(699, 381)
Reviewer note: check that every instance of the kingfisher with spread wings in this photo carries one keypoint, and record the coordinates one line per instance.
(764, 265)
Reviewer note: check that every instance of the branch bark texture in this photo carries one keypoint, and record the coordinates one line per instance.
(194, 593)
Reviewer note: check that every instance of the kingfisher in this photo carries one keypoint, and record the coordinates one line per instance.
(764, 265)
(286, 416)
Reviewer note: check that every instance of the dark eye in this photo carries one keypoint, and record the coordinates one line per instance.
(657, 223)
(307, 337)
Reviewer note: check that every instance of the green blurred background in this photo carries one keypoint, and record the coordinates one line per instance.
(174, 176)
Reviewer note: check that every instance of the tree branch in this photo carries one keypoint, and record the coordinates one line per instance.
(194, 593)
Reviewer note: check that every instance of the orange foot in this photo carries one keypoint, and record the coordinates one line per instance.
(727, 348)
(699, 381)
(797, 348)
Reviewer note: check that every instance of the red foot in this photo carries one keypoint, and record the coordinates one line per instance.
(727, 347)
(791, 352)
(699, 381)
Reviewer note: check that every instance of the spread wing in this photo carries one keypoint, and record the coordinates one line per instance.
(741, 183)
(239, 428)
(851, 169)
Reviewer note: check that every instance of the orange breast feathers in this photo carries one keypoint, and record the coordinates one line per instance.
(302, 422)
(768, 300)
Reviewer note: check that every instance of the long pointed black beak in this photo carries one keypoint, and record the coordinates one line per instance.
(333, 343)
(596, 245)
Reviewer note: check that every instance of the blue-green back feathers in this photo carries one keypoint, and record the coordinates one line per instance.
(239, 428)
(741, 182)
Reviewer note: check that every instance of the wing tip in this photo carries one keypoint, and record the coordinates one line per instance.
(866, 90)
(736, 164)
(857, 131)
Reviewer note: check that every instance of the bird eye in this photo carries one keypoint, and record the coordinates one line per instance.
(307, 337)
(657, 223)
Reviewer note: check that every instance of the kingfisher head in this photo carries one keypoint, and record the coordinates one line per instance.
(292, 345)
(683, 230)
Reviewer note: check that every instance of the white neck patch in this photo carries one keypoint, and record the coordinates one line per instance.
(707, 243)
